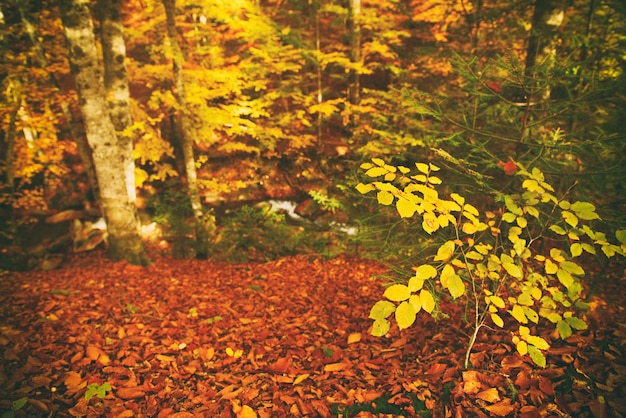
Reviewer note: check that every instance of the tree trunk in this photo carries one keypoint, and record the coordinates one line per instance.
(354, 85)
(547, 19)
(203, 224)
(116, 83)
(120, 214)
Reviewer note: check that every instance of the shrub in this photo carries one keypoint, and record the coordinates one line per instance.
(256, 233)
(516, 263)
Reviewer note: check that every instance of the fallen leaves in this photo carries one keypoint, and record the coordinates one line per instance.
(279, 339)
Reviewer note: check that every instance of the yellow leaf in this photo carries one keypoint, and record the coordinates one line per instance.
(425, 271)
(457, 198)
(427, 300)
(384, 198)
(524, 331)
(469, 228)
(497, 300)
(405, 208)
(300, 378)
(354, 337)
(430, 223)
(421, 167)
(513, 270)
(497, 320)
(380, 327)
(456, 287)
(416, 302)
(445, 251)
(246, 412)
(397, 292)
(538, 342)
(416, 283)
(518, 313)
(550, 267)
(522, 348)
(405, 315)
(447, 272)
(535, 292)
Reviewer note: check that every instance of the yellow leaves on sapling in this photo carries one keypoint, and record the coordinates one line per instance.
(405, 315)
(445, 251)
(397, 292)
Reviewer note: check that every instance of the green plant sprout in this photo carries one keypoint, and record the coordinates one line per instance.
(214, 319)
(15, 406)
(98, 390)
(326, 202)
(492, 261)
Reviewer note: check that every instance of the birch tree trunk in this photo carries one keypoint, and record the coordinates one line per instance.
(120, 214)
(202, 223)
(116, 83)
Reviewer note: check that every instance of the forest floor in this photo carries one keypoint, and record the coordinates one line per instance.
(185, 338)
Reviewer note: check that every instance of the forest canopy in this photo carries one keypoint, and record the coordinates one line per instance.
(252, 100)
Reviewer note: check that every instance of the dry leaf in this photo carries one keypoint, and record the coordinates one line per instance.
(355, 337)
(490, 395)
(130, 393)
(246, 412)
(501, 409)
(72, 380)
(335, 367)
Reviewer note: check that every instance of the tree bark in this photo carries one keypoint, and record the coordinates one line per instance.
(354, 84)
(203, 224)
(120, 214)
(547, 19)
(116, 83)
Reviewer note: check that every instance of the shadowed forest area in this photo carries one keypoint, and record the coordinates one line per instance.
(320, 208)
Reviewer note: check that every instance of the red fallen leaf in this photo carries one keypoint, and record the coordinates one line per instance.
(495, 86)
(546, 385)
(529, 411)
(130, 393)
(281, 365)
(523, 380)
(501, 409)
(437, 368)
(165, 413)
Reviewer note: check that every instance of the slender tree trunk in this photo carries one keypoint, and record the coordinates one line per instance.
(202, 223)
(9, 170)
(547, 19)
(81, 141)
(354, 79)
(116, 83)
(120, 214)
(354, 85)
(320, 94)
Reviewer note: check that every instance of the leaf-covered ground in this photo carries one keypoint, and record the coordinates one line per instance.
(189, 338)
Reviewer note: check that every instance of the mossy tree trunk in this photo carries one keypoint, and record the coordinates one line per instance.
(203, 224)
(116, 83)
(125, 241)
